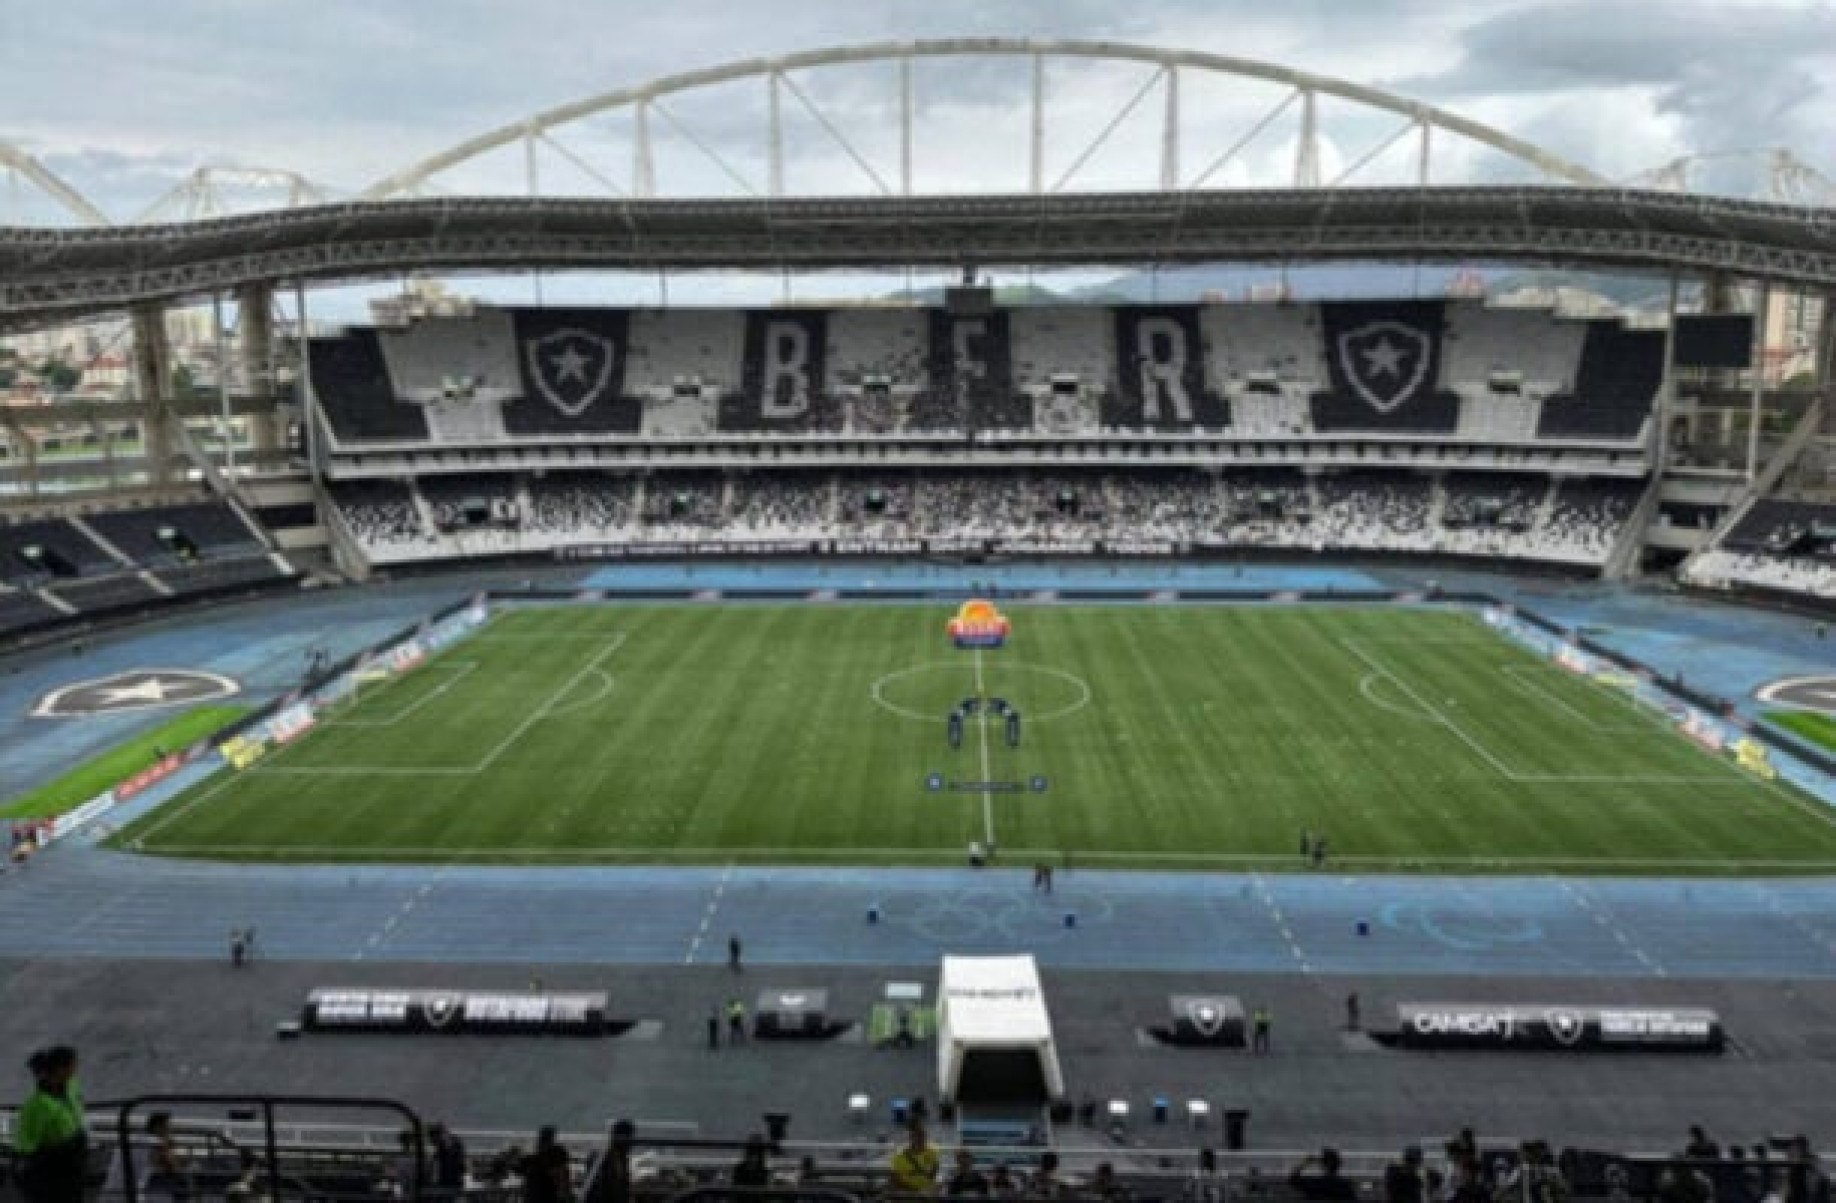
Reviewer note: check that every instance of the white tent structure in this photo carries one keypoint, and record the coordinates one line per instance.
(993, 1034)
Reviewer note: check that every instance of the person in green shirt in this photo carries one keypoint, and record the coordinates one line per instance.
(49, 1134)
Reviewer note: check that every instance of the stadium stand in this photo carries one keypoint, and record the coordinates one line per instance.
(32, 552)
(1383, 361)
(105, 593)
(573, 507)
(1391, 367)
(1615, 384)
(172, 535)
(976, 355)
(381, 516)
(573, 374)
(1063, 364)
(459, 370)
(877, 360)
(1511, 515)
(1779, 545)
(1162, 382)
(783, 383)
(23, 609)
(350, 379)
(682, 362)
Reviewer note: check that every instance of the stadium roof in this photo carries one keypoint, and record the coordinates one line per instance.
(47, 274)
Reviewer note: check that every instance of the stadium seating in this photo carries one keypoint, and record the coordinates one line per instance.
(1378, 510)
(1778, 544)
(1383, 363)
(1451, 369)
(350, 379)
(1615, 385)
(22, 610)
(877, 360)
(681, 362)
(1268, 360)
(460, 370)
(574, 374)
(381, 515)
(198, 531)
(43, 550)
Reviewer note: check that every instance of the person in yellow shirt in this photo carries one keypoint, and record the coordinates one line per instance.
(914, 1167)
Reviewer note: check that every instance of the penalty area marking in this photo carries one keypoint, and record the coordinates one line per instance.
(465, 667)
(549, 708)
(877, 689)
(1506, 771)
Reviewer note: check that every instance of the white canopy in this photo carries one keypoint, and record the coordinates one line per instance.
(993, 1005)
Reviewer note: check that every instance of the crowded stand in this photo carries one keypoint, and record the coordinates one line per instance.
(1516, 517)
(1778, 545)
(1459, 370)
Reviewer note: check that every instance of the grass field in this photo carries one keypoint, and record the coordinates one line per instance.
(1819, 729)
(84, 782)
(1180, 737)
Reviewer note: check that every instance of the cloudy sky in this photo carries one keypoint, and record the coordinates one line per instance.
(125, 97)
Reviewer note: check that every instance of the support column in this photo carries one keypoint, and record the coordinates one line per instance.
(153, 387)
(1762, 302)
(255, 360)
(1825, 367)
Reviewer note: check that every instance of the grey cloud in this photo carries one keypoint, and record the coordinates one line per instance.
(1732, 75)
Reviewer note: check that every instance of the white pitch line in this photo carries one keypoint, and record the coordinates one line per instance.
(663, 854)
(981, 727)
(1459, 733)
(465, 667)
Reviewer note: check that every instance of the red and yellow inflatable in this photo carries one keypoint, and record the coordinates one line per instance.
(978, 624)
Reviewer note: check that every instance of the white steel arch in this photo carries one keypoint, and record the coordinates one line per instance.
(18, 163)
(213, 191)
(1418, 120)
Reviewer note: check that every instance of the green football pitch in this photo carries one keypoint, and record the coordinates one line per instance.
(1181, 737)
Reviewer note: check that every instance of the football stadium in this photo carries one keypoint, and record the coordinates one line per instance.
(1265, 637)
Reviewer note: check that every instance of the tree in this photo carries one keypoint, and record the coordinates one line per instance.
(59, 376)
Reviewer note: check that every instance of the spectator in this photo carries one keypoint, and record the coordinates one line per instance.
(612, 1181)
(914, 1166)
(1328, 1184)
(167, 1174)
(49, 1133)
(1468, 1182)
(1402, 1180)
(1045, 1183)
(1804, 1179)
(1536, 1178)
(448, 1157)
(1700, 1147)
(547, 1172)
(1261, 1021)
(753, 1171)
(967, 1180)
(1207, 1184)
(1105, 1186)
(1684, 1183)
(1002, 1183)
(404, 1171)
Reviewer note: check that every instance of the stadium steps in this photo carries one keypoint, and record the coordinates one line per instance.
(54, 601)
(95, 536)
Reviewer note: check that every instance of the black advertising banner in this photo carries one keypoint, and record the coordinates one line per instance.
(1554, 1026)
(456, 1011)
